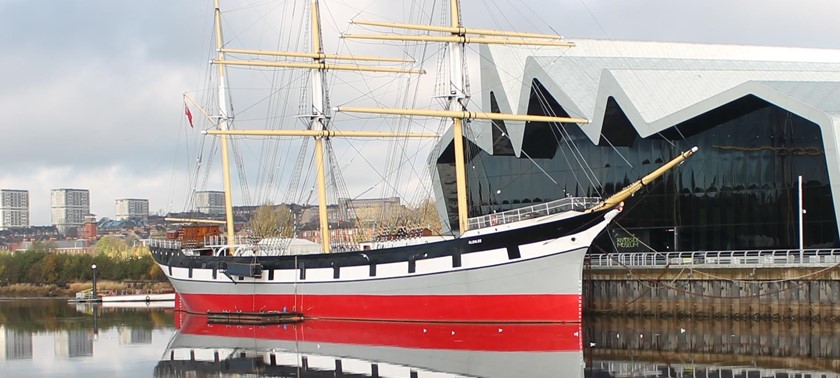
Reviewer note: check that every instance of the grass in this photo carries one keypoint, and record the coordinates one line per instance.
(70, 290)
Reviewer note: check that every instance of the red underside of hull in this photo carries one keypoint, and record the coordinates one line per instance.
(449, 308)
(477, 337)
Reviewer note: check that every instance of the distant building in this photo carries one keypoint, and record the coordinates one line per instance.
(367, 208)
(131, 208)
(309, 215)
(350, 221)
(89, 229)
(61, 246)
(14, 209)
(69, 208)
(248, 212)
(210, 202)
(11, 239)
(341, 234)
(127, 227)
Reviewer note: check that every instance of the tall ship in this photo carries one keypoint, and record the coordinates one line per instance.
(522, 265)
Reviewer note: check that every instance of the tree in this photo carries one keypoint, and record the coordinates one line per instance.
(111, 246)
(50, 268)
(378, 220)
(427, 215)
(272, 221)
(155, 273)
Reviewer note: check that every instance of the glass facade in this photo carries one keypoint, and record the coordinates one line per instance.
(738, 192)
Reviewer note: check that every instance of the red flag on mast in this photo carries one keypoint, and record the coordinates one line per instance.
(188, 114)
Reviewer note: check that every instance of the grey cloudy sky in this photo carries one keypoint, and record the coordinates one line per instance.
(91, 89)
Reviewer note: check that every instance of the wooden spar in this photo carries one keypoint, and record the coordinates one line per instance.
(321, 133)
(191, 220)
(317, 65)
(200, 108)
(457, 30)
(461, 114)
(460, 175)
(224, 125)
(293, 54)
(454, 15)
(322, 195)
(459, 39)
(629, 190)
(458, 93)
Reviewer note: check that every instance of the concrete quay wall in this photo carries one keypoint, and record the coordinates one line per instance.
(783, 292)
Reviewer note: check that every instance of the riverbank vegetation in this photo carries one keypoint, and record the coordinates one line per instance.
(41, 269)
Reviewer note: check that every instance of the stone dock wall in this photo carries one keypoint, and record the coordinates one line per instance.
(791, 293)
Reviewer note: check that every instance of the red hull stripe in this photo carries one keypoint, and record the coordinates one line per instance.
(448, 336)
(449, 308)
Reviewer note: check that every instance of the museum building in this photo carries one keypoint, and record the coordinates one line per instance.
(761, 117)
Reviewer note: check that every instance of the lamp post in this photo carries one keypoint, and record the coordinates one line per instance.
(94, 281)
(801, 225)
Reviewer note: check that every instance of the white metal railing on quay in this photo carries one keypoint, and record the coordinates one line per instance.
(515, 215)
(716, 259)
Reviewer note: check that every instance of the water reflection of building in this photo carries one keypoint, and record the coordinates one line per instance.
(712, 348)
(16, 345)
(609, 369)
(129, 335)
(74, 343)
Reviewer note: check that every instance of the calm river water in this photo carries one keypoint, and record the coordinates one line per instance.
(51, 338)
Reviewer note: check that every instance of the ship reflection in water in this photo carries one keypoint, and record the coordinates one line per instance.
(613, 347)
(322, 348)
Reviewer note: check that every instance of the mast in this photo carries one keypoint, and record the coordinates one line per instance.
(457, 98)
(224, 124)
(318, 120)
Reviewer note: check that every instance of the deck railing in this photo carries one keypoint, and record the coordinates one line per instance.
(522, 213)
(717, 259)
(209, 241)
(162, 243)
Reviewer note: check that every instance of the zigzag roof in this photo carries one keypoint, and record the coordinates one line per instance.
(656, 84)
